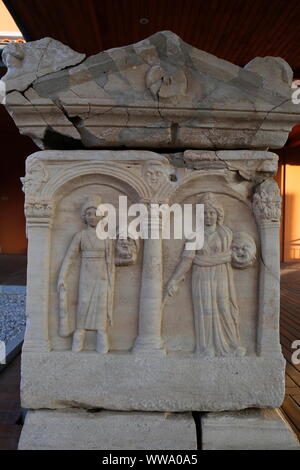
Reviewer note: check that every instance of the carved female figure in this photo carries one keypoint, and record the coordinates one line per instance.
(96, 283)
(214, 297)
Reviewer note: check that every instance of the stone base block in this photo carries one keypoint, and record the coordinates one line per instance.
(247, 430)
(106, 430)
(150, 382)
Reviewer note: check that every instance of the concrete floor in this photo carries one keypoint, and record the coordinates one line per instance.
(13, 272)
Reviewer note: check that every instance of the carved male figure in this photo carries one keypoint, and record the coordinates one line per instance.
(96, 283)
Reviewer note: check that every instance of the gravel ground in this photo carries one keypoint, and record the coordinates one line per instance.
(12, 315)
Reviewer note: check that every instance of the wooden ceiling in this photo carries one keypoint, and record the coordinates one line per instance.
(235, 30)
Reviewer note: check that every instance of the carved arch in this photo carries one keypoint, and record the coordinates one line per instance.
(222, 187)
(65, 176)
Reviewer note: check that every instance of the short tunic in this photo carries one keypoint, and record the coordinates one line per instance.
(96, 281)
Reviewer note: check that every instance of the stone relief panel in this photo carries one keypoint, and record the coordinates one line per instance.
(212, 292)
(96, 283)
(90, 305)
(162, 342)
(210, 324)
(89, 308)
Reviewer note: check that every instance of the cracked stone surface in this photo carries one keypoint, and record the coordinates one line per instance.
(247, 430)
(107, 430)
(159, 92)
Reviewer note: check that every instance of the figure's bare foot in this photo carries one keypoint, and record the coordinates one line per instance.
(240, 351)
(78, 340)
(102, 345)
(208, 352)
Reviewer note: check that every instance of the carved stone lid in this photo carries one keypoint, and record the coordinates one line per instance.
(157, 93)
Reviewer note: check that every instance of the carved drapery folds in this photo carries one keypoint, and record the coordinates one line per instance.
(95, 301)
(216, 308)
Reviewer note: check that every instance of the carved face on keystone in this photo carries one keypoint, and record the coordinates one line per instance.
(243, 250)
(155, 174)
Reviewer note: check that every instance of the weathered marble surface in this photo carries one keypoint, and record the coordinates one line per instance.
(247, 430)
(150, 381)
(29, 61)
(107, 430)
(160, 92)
(152, 344)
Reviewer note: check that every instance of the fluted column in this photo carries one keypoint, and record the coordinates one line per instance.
(266, 206)
(150, 311)
(38, 216)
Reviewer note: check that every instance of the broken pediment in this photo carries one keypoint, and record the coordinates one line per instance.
(159, 93)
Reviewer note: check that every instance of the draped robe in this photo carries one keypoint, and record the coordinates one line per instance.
(214, 296)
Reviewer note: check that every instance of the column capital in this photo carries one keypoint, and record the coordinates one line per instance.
(39, 213)
(267, 204)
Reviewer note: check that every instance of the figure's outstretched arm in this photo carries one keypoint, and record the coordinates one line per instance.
(179, 274)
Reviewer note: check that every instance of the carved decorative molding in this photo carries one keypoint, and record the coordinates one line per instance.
(39, 209)
(68, 174)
